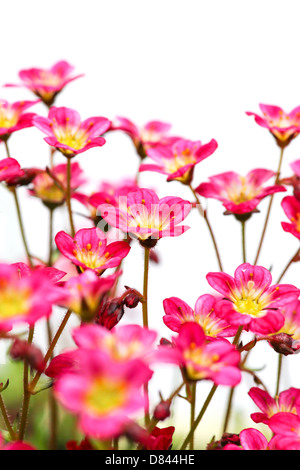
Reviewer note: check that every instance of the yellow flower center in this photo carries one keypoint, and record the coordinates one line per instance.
(13, 302)
(8, 118)
(105, 395)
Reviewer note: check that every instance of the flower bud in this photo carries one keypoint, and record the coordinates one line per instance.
(284, 344)
(22, 350)
(162, 410)
(111, 313)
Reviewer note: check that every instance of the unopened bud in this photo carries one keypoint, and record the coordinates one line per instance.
(162, 410)
(284, 344)
(110, 314)
(22, 350)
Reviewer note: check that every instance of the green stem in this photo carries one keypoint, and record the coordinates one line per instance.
(145, 322)
(48, 354)
(199, 417)
(288, 265)
(243, 224)
(193, 409)
(269, 208)
(203, 213)
(26, 392)
(21, 225)
(279, 368)
(7, 149)
(6, 419)
(68, 197)
(50, 237)
(231, 393)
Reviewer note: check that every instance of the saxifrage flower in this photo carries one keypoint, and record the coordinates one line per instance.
(46, 83)
(66, 132)
(269, 406)
(89, 249)
(144, 216)
(239, 194)
(178, 160)
(250, 300)
(13, 117)
(291, 207)
(283, 126)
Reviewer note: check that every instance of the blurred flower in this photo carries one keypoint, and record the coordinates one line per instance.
(178, 312)
(122, 344)
(178, 159)
(13, 118)
(291, 207)
(51, 185)
(10, 169)
(24, 299)
(160, 438)
(269, 406)
(89, 249)
(47, 83)
(150, 134)
(284, 126)
(67, 133)
(239, 194)
(250, 299)
(102, 393)
(146, 217)
(205, 360)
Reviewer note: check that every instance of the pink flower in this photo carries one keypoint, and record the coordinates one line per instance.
(179, 159)
(178, 312)
(269, 406)
(239, 194)
(16, 445)
(84, 293)
(284, 126)
(47, 83)
(201, 359)
(103, 393)
(24, 298)
(144, 216)
(10, 169)
(13, 118)
(89, 249)
(152, 133)
(68, 134)
(51, 185)
(286, 427)
(291, 207)
(294, 180)
(250, 299)
(122, 343)
(250, 439)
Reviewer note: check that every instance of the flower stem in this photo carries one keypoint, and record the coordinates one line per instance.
(269, 208)
(50, 237)
(27, 395)
(145, 323)
(279, 368)
(48, 354)
(288, 265)
(199, 417)
(193, 409)
(203, 213)
(21, 225)
(231, 393)
(68, 197)
(6, 419)
(243, 224)
(7, 149)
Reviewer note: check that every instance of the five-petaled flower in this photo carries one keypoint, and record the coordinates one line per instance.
(239, 194)
(67, 133)
(250, 300)
(10, 169)
(103, 393)
(178, 160)
(47, 83)
(286, 401)
(202, 359)
(13, 117)
(283, 126)
(89, 249)
(178, 312)
(144, 216)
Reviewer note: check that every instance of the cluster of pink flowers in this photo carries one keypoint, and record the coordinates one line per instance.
(102, 379)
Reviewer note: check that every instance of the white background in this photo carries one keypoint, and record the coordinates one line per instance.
(196, 64)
